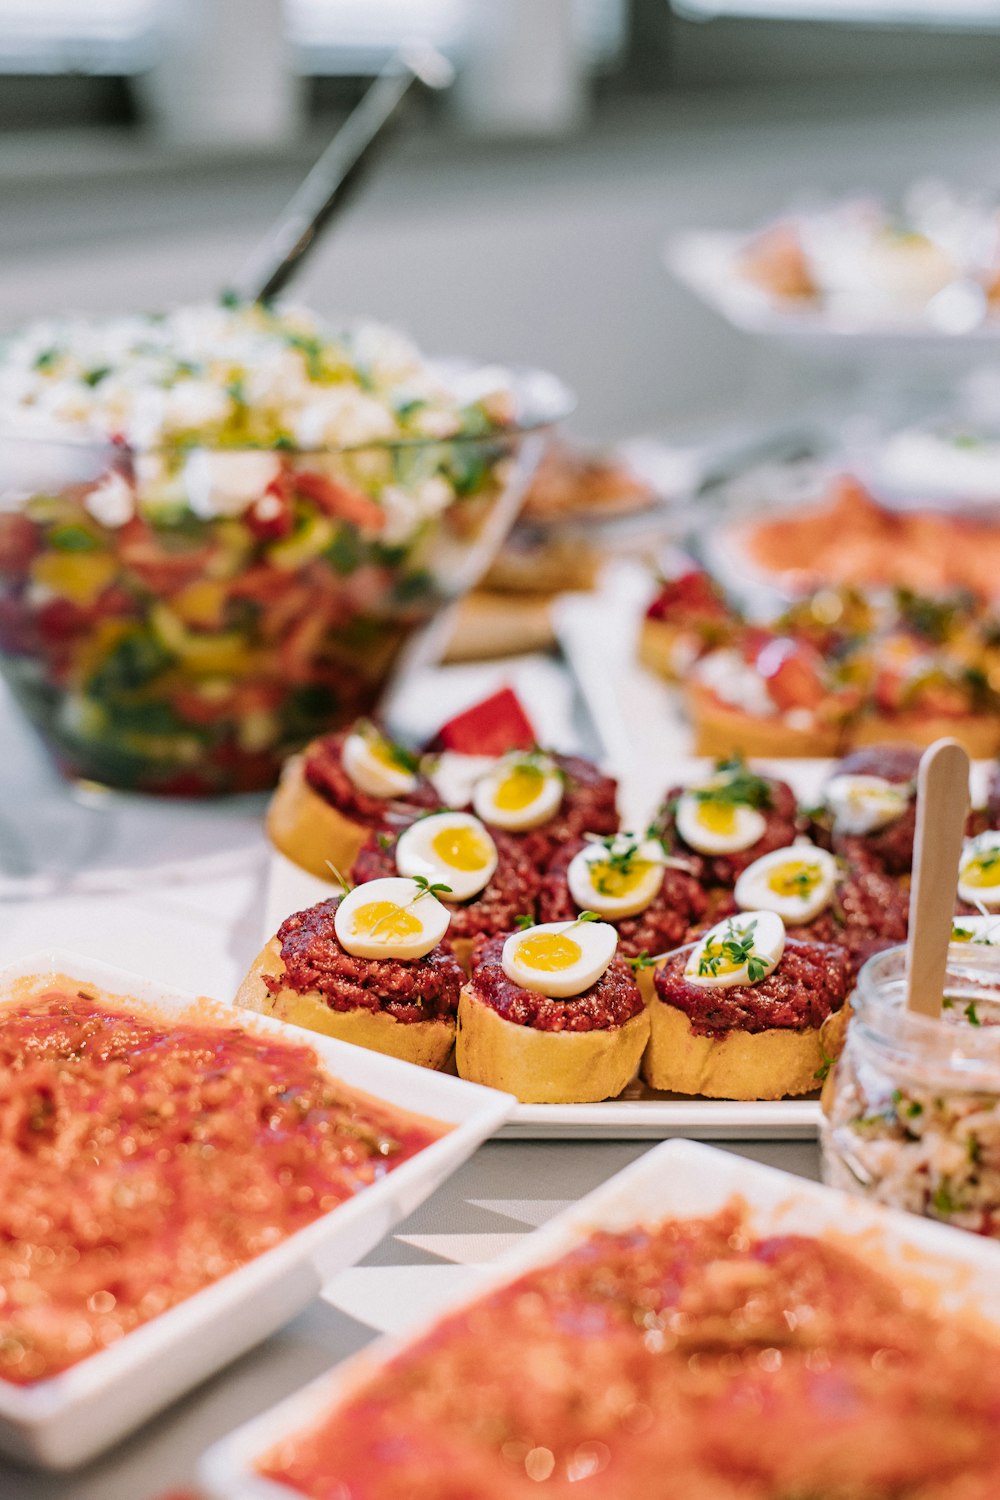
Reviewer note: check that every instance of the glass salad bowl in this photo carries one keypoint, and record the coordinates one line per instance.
(186, 600)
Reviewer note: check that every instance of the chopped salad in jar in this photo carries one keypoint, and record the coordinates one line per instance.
(218, 527)
(911, 1109)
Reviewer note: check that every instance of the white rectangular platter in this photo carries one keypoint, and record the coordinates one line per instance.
(640, 1114)
(678, 1179)
(62, 1421)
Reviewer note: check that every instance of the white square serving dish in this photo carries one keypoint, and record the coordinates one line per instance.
(676, 1179)
(63, 1421)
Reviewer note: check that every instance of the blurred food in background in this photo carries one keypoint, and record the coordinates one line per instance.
(846, 538)
(863, 257)
(558, 544)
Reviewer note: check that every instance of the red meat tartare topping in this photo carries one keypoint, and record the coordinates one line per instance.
(510, 893)
(612, 1001)
(676, 911)
(688, 1358)
(870, 912)
(422, 989)
(780, 814)
(141, 1160)
(810, 982)
(589, 805)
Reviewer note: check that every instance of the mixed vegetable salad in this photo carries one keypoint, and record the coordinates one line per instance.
(219, 526)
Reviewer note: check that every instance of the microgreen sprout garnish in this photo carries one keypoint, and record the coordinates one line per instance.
(541, 760)
(641, 962)
(341, 879)
(617, 862)
(736, 950)
(987, 859)
(398, 754)
(384, 841)
(972, 1015)
(523, 922)
(424, 888)
(960, 934)
(736, 786)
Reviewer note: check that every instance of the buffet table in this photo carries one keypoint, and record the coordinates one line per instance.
(179, 891)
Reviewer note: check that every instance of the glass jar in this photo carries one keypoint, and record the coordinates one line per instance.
(911, 1108)
(159, 643)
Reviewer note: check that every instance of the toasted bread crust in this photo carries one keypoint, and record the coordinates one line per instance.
(655, 647)
(427, 1043)
(307, 830)
(771, 1064)
(721, 731)
(546, 1067)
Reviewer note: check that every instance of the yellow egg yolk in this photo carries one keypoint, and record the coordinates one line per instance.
(983, 871)
(386, 920)
(549, 951)
(716, 962)
(718, 817)
(611, 880)
(794, 879)
(519, 789)
(385, 753)
(460, 848)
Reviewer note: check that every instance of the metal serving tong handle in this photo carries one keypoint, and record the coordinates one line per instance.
(329, 184)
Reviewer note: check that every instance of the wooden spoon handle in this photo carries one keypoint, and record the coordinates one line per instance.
(942, 805)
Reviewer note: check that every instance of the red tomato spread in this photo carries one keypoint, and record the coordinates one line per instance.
(142, 1160)
(686, 1360)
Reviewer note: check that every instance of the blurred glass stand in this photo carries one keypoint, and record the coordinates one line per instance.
(522, 70)
(223, 76)
(60, 838)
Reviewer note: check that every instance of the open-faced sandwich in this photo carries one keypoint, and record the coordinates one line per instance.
(768, 694)
(552, 1014)
(738, 1014)
(688, 618)
(339, 790)
(838, 667)
(372, 966)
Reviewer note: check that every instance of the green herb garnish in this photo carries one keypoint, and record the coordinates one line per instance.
(404, 759)
(736, 950)
(345, 885)
(737, 786)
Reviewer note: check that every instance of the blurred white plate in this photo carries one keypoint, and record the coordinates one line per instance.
(707, 262)
(943, 1267)
(67, 1419)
